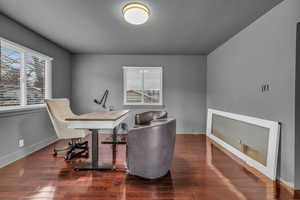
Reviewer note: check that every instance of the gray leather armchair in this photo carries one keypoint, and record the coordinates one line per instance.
(150, 148)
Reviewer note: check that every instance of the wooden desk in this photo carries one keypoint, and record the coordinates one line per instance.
(95, 121)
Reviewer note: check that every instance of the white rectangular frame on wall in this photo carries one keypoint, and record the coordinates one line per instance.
(274, 132)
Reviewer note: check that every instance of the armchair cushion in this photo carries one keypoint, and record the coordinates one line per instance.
(146, 117)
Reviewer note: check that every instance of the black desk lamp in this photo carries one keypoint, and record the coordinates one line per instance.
(103, 99)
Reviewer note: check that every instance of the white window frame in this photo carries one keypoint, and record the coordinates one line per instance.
(160, 103)
(274, 133)
(48, 75)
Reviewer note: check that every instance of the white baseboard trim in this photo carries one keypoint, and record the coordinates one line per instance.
(190, 132)
(177, 132)
(290, 184)
(12, 157)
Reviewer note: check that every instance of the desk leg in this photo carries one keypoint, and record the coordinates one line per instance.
(95, 156)
(114, 146)
(95, 146)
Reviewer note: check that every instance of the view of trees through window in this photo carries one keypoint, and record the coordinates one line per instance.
(35, 80)
(12, 93)
(10, 66)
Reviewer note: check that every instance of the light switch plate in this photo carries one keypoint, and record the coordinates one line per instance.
(21, 143)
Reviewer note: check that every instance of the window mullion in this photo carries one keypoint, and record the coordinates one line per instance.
(23, 81)
(48, 80)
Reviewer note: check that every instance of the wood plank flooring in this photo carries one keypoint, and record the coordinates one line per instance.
(200, 171)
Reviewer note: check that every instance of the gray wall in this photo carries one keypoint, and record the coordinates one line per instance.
(32, 125)
(264, 52)
(297, 112)
(184, 85)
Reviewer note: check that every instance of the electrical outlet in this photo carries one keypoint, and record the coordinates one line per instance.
(21, 143)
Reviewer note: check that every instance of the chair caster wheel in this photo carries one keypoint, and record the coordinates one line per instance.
(54, 153)
(66, 158)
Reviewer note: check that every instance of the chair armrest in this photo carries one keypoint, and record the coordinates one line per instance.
(153, 124)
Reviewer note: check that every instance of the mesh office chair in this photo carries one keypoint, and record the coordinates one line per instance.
(59, 110)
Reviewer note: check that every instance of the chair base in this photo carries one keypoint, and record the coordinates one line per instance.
(74, 145)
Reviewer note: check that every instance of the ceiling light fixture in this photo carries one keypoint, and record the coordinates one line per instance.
(136, 13)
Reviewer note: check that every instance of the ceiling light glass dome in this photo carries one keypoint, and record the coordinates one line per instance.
(136, 13)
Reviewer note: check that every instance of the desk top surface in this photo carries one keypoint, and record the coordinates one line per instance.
(102, 115)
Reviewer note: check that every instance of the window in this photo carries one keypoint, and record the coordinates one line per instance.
(142, 85)
(25, 76)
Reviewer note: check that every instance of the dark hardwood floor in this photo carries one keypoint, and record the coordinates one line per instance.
(200, 171)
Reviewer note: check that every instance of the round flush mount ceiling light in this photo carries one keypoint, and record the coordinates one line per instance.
(136, 13)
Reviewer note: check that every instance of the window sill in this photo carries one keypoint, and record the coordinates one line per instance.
(144, 106)
(19, 110)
